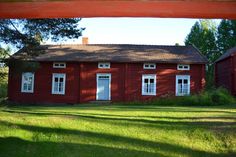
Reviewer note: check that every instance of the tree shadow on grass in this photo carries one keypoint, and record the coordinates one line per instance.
(96, 138)
(16, 147)
(165, 122)
(189, 109)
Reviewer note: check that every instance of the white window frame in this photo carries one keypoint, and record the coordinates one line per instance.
(148, 66)
(30, 74)
(59, 65)
(183, 65)
(104, 74)
(102, 65)
(176, 84)
(64, 83)
(149, 76)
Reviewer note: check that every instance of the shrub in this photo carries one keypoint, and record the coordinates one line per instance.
(3, 82)
(218, 96)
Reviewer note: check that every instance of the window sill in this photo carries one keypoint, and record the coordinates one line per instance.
(146, 94)
(58, 93)
(27, 92)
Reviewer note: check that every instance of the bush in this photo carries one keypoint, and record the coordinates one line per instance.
(3, 82)
(218, 96)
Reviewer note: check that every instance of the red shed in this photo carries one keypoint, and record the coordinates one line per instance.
(225, 71)
(84, 73)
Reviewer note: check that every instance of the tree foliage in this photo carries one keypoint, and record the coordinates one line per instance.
(29, 33)
(202, 36)
(226, 35)
(212, 41)
(24, 32)
(4, 53)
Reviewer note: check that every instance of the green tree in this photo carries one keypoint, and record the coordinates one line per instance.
(203, 36)
(226, 35)
(4, 53)
(25, 32)
(29, 33)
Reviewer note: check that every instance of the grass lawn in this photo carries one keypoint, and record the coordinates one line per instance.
(112, 131)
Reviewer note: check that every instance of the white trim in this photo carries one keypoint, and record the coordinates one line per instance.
(176, 84)
(60, 65)
(22, 82)
(149, 76)
(64, 83)
(102, 65)
(183, 67)
(103, 74)
(148, 66)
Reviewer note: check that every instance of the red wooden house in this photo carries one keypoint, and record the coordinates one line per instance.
(84, 73)
(225, 71)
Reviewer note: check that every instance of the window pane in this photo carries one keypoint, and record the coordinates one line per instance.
(25, 78)
(29, 87)
(151, 88)
(146, 89)
(151, 80)
(27, 82)
(185, 89)
(60, 87)
(180, 67)
(179, 88)
(56, 87)
(61, 79)
(30, 80)
(179, 81)
(145, 80)
(25, 87)
(185, 81)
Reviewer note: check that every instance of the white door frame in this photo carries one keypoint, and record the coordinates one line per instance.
(104, 74)
(176, 83)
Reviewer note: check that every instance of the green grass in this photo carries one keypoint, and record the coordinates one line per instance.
(117, 131)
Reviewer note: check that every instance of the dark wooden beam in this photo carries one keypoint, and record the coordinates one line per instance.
(118, 8)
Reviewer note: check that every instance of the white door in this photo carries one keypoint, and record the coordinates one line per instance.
(103, 86)
(182, 85)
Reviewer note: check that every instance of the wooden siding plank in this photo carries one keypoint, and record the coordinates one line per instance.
(118, 8)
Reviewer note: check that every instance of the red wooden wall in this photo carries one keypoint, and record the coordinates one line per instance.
(225, 74)
(118, 8)
(126, 82)
(43, 85)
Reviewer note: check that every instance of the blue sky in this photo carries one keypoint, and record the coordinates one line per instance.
(160, 31)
